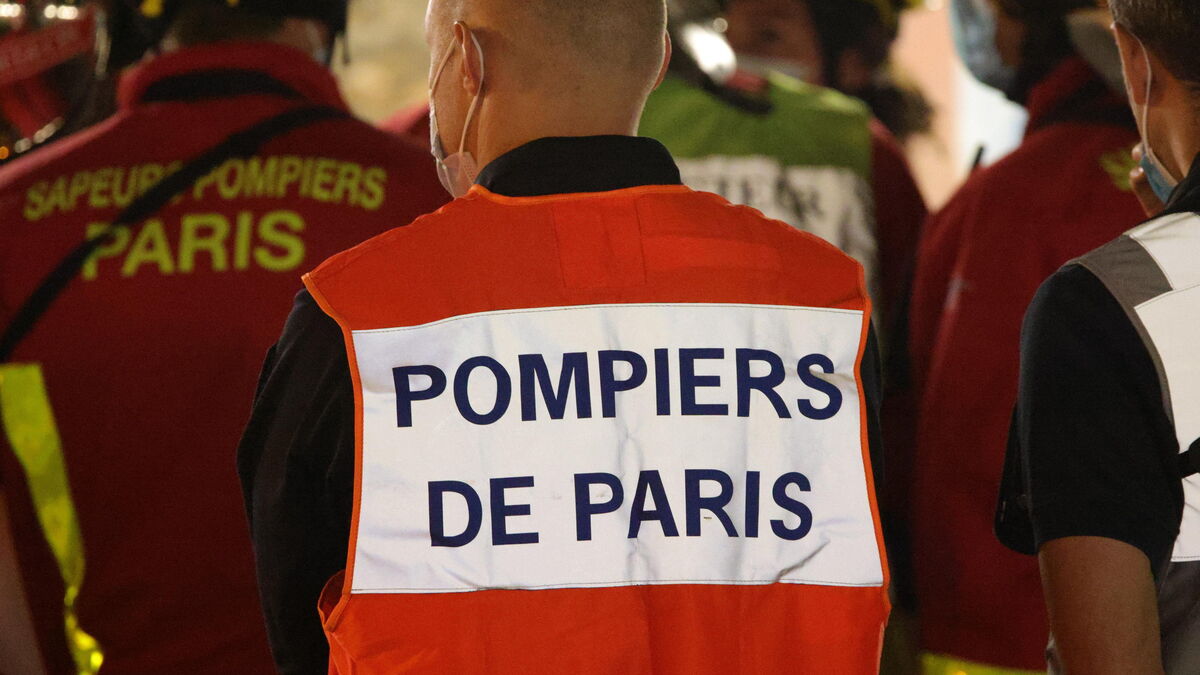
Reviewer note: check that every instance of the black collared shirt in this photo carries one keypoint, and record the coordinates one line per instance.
(1092, 451)
(296, 459)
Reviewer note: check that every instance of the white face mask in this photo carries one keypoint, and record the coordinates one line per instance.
(975, 24)
(459, 170)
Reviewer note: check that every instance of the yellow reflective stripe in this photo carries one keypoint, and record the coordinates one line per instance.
(938, 664)
(33, 435)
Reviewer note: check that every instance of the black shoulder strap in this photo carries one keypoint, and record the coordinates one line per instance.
(217, 83)
(1189, 462)
(244, 143)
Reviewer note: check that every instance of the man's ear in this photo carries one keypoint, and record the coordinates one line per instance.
(472, 68)
(668, 49)
(1133, 64)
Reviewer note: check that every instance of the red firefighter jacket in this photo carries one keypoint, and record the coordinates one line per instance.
(1062, 193)
(151, 356)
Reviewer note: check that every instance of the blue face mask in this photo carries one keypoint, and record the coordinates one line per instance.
(974, 24)
(1162, 185)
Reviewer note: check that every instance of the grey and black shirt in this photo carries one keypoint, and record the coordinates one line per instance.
(1105, 436)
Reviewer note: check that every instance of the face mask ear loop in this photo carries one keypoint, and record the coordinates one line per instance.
(1146, 104)
(437, 77)
(1145, 129)
(462, 145)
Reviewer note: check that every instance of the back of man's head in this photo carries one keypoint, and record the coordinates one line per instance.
(1169, 28)
(310, 25)
(203, 21)
(1043, 10)
(568, 46)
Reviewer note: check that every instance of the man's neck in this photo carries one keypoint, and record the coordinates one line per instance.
(1182, 140)
(1184, 157)
(502, 128)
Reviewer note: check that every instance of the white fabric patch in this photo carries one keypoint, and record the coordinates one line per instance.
(462, 448)
(1173, 321)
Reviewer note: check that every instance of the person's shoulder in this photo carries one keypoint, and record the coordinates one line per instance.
(796, 96)
(755, 227)
(51, 159)
(700, 209)
(1177, 228)
(411, 238)
(814, 125)
(789, 97)
(1071, 177)
(404, 168)
(1101, 287)
(352, 137)
(1074, 298)
(1072, 285)
(1080, 138)
(1084, 154)
(1151, 260)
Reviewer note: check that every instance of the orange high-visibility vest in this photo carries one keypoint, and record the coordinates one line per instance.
(609, 433)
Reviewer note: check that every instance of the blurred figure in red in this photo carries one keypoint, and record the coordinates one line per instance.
(231, 164)
(52, 83)
(1064, 191)
(1102, 478)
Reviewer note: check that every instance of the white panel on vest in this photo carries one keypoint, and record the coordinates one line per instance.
(1174, 243)
(612, 446)
(1173, 322)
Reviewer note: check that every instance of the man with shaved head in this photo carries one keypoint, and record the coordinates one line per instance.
(583, 419)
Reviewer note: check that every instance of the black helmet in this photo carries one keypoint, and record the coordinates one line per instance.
(869, 25)
(330, 12)
(1032, 10)
(1048, 39)
(690, 11)
(153, 17)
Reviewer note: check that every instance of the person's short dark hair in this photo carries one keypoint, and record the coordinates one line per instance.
(687, 11)
(864, 28)
(1169, 28)
(1035, 10)
(203, 21)
(1047, 39)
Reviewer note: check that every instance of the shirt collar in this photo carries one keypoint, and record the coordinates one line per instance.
(552, 166)
(290, 68)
